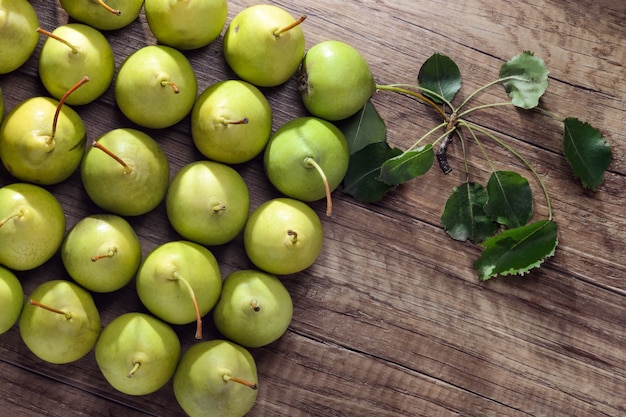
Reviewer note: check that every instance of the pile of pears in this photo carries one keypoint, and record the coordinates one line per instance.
(125, 173)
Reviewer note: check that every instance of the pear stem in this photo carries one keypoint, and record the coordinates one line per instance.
(178, 277)
(240, 381)
(255, 305)
(279, 32)
(20, 213)
(52, 309)
(110, 253)
(58, 38)
(132, 372)
(109, 8)
(127, 168)
(219, 207)
(293, 234)
(243, 121)
(75, 87)
(329, 201)
(165, 83)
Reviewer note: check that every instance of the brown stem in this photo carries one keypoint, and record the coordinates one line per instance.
(171, 84)
(110, 253)
(52, 309)
(255, 305)
(240, 381)
(109, 8)
(80, 82)
(293, 234)
(58, 38)
(279, 32)
(127, 168)
(442, 156)
(441, 153)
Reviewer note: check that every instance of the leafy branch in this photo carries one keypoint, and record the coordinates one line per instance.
(497, 215)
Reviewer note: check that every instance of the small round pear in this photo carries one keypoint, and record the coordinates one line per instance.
(18, 34)
(307, 158)
(32, 226)
(125, 172)
(137, 353)
(39, 145)
(179, 282)
(103, 14)
(231, 122)
(156, 86)
(101, 252)
(11, 299)
(264, 45)
(335, 80)
(208, 202)
(60, 322)
(216, 375)
(70, 52)
(254, 309)
(186, 24)
(283, 236)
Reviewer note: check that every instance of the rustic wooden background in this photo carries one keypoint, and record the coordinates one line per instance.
(391, 320)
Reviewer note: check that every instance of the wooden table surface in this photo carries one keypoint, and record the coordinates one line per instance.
(392, 320)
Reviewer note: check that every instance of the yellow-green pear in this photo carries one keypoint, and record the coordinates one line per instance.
(264, 45)
(60, 322)
(216, 376)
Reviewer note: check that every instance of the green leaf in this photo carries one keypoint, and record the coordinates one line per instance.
(526, 79)
(516, 251)
(441, 75)
(587, 152)
(361, 179)
(510, 199)
(464, 216)
(407, 166)
(363, 128)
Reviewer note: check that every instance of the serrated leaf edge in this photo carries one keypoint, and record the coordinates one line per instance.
(514, 271)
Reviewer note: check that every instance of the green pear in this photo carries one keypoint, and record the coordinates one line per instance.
(32, 226)
(40, 144)
(186, 24)
(103, 14)
(264, 45)
(283, 236)
(70, 52)
(208, 202)
(137, 353)
(231, 122)
(216, 376)
(60, 322)
(307, 158)
(18, 34)
(254, 308)
(156, 86)
(11, 299)
(125, 172)
(101, 252)
(179, 282)
(335, 80)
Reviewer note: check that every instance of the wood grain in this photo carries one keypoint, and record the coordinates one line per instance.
(391, 320)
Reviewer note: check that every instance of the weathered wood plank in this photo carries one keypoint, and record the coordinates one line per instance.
(391, 320)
